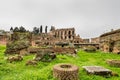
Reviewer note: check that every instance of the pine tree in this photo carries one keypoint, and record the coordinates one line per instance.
(46, 29)
(11, 29)
(22, 29)
(41, 29)
(16, 29)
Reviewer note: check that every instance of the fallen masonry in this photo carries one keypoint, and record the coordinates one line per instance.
(31, 62)
(14, 58)
(57, 50)
(45, 56)
(115, 63)
(98, 70)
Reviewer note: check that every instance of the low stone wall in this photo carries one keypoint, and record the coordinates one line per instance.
(53, 50)
(110, 42)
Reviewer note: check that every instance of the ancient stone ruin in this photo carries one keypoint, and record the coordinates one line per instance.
(45, 56)
(115, 63)
(4, 36)
(56, 36)
(31, 62)
(14, 58)
(56, 50)
(65, 72)
(110, 42)
(98, 70)
(90, 49)
(18, 43)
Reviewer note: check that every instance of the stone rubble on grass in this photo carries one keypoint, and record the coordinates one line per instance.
(14, 58)
(31, 62)
(45, 56)
(97, 70)
(115, 63)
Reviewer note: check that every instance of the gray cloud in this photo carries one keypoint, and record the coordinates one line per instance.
(89, 17)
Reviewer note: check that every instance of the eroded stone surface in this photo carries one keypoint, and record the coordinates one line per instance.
(53, 50)
(66, 71)
(110, 42)
(97, 70)
(45, 56)
(18, 43)
(14, 58)
(115, 63)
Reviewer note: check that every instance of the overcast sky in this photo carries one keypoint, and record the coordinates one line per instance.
(90, 18)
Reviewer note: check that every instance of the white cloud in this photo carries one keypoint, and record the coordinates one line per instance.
(89, 17)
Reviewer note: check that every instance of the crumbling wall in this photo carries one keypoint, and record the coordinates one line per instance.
(55, 36)
(110, 42)
(56, 50)
(18, 41)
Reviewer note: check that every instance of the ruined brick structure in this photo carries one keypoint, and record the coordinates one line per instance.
(18, 43)
(4, 36)
(95, 40)
(86, 40)
(110, 42)
(56, 36)
(3, 39)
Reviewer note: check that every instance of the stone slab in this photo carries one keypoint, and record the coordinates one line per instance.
(97, 70)
(115, 63)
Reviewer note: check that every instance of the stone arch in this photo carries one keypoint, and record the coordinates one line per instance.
(65, 37)
(69, 32)
(73, 32)
(69, 37)
(111, 46)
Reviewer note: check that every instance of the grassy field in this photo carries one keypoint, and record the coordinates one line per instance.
(43, 71)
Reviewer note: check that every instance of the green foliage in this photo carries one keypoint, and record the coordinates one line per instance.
(11, 29)
(41, 29)
(20, 29)
(43, 71)
(16, 29)
(36, 30)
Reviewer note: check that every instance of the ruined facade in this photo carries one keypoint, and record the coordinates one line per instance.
(86, 40)
(95, 40)
(110, 42)
(56, 36)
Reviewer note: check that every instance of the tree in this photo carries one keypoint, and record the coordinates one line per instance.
(52, 28)
(46, 29)
(35, 30)
(22, 29)
(16, 29)
(11, 29)
(41, 29)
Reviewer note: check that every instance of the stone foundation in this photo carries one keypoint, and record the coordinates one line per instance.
(53, 50)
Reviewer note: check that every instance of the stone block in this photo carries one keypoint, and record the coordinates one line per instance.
(97, 70)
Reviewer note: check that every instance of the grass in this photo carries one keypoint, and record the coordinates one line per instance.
(43, 71)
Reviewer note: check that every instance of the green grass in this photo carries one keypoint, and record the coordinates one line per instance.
(43, 71)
